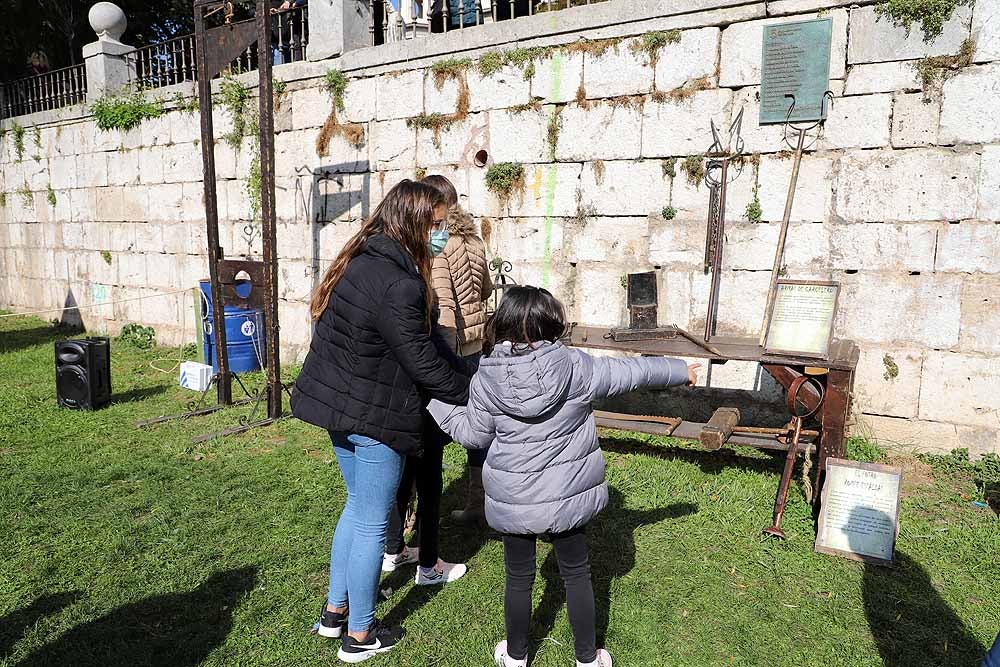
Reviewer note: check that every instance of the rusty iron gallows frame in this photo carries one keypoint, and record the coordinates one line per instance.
(216, 48)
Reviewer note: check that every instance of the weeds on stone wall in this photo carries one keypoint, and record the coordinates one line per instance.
(106, 256)
(683, 92)
(505, 179)
(534, 105)
(753, 211)
(581, 97)
(186, 104)
(669, 167)
(36, 137)
(597, 48)
(335, 84)
(651, 43)
(552, 131)
(125, 111)
(935, 70)
(930, 14)
(278, 90)
(420, 173)
(521, 58)
(234, 98)
(27, 198)
(50, 195)
(599, 172)
(669, 212)
(3, 200)
(17, 133)
(694, 167)
(891, 368)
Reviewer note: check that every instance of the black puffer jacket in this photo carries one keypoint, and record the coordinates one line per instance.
(372, 363)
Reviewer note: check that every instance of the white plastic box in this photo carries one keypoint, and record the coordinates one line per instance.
(195, 376)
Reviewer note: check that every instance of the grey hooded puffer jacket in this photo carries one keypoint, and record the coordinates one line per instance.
(545, 471)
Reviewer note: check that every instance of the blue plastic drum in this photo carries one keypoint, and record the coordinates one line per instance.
(245, 339)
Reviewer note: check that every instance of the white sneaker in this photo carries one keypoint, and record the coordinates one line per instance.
(501, 659)
(442, 573)
(603, 659)
(408, 556)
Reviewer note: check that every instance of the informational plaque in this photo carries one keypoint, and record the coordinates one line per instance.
(796, 61)
(859, 517)
(802, 320)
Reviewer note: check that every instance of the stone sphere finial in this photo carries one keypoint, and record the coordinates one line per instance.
(108, 21)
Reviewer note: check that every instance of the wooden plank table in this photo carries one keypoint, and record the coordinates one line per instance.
(837, 382)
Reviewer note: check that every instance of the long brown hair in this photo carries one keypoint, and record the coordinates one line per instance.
(405, 214)
(446, 187)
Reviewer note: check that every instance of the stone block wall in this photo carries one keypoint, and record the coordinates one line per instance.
(898, 198)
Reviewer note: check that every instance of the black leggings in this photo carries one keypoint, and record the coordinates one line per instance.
(427, 472)
(574, 567)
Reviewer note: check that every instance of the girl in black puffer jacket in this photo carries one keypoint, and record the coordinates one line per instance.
(372, 364)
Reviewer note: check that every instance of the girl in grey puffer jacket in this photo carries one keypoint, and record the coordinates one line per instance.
(530, 403)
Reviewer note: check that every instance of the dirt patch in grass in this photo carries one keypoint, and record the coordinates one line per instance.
(918, 476)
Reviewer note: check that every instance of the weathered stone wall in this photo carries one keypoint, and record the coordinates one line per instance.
(899, 199)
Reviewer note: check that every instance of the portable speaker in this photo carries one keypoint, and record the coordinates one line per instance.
(83, 373)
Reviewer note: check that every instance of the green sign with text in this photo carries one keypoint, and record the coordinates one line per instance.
(795, 61)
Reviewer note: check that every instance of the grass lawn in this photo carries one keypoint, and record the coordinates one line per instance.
(127, 547)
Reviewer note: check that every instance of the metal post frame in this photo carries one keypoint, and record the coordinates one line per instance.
(216, 49)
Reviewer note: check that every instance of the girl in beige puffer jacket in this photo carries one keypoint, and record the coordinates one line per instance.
(462, 284)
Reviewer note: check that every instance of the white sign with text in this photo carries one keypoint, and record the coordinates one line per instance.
(859, 517)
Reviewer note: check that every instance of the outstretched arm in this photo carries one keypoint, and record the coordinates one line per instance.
(620, 376)
(471, 426)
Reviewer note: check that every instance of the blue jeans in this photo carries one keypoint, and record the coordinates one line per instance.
(371, 472)
(993, 657)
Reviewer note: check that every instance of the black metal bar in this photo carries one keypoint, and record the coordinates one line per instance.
(267, 213)
(243, 428)
(713, 296)
(215, 253)
(190, 413)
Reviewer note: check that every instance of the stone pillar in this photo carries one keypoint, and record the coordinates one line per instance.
(106, 60)
(338, 26)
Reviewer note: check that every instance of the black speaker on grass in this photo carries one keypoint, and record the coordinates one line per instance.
(83, 373)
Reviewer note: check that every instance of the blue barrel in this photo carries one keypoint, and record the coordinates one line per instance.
(245, 338)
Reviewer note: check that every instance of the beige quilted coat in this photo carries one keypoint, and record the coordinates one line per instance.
(462, 285)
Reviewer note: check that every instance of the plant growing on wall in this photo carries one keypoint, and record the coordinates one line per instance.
(669, 212)
(106, 256)
(186, 104)
(669, 167)
(335, 84)
(930, 14)
(552, 132)
(50, 195)
(753, 210)
(451, 69)
(125, 111)
(17, 132)
(694, 167)
(504, 179)
(3, 200)
(234, 97)
(36, 136)
(935, 70)
(27, 198)
(651, 43)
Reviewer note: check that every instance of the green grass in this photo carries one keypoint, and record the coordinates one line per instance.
(127, 547)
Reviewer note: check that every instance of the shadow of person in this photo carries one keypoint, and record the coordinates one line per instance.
(911, 624)
(14, 624)
(611, 546)
(176, 629)
(458, 544)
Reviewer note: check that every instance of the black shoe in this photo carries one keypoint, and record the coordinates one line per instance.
(331, 624)
(381, 638)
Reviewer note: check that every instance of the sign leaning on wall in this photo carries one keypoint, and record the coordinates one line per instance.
(859, 518)
(795, 61)
(802, 319)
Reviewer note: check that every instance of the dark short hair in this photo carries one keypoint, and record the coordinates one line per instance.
(526, 315)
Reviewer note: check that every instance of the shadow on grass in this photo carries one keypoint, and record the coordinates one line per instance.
(611, 543)
(991, 492)
(459, 544)
(709, 462)
(139, 394)
(19, 339)
(175, 630)
(909, 621)
(14, 624)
